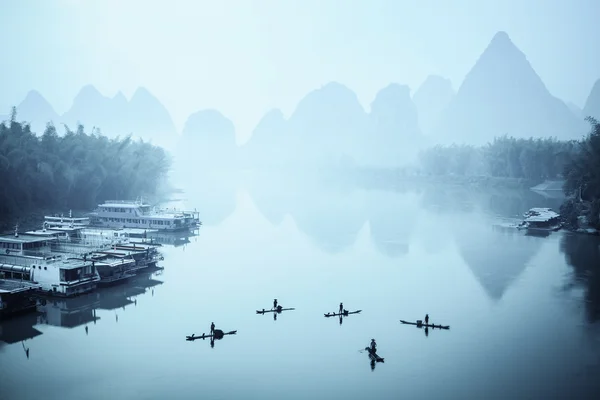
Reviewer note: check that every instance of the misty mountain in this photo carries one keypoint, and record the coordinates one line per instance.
(575, 109)
(328, 124)
(502, 94)
(394, 127)
(148, 116)
(36, 111)
(592, 104)
(143, 116)
(269, 142)
(208, 138)
(431, 99)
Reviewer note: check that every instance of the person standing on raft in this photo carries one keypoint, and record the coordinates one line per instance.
(341, 308)
(426, 319)
(373, 346)
(275, 304)
(212, 328)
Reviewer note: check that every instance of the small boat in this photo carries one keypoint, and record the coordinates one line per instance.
(278, 309)
(217, 335)
(345, 313)
(540, 220)
(373, 355)
(420, 324)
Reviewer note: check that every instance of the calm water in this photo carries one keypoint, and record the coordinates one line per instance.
(523, 310)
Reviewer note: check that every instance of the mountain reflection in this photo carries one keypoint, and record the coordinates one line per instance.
(213, 195)
(392, 218)
(582, 252)
(496, 256)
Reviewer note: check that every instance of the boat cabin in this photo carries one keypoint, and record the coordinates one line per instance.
(16, 297)
(31, 257)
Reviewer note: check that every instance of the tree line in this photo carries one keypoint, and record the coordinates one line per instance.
(505, 157)
(75, 170)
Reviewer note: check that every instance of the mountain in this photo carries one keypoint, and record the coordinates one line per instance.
(431, 99)
(328, 124)
(93, 110)
(143, 116)
(268, 144)
(36, 110)
(578, 112)
(592, 104)
(149, 119)
(502, 94)
(394, 127)
(208, 138)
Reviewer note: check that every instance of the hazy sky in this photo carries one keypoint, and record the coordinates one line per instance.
(245, 57)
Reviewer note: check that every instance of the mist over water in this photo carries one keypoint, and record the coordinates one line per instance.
(523, 310)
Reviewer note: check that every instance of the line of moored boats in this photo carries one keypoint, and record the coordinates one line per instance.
(70, 255)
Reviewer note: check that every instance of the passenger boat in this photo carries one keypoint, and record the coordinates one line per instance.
(138, 214)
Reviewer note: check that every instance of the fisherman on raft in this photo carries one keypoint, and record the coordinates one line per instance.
(373, 346)
(341, 308)
(426, 319)
(275, 304)
(212, 328)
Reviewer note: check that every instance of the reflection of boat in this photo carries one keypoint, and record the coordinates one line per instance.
(346, 312)
(420, 324)
(19, 329)
(541, 219)
(81, 310)
(373, 355)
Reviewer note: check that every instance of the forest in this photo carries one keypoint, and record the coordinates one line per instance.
(75, 170)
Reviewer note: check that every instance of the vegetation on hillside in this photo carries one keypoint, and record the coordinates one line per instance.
(582, 183)
(75, 170)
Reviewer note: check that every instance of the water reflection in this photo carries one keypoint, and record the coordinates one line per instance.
(19, 329)
(496, 256)
(582, 252)
(214, 195)
(81, 310)
(392, 218)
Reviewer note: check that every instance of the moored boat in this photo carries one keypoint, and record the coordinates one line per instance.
(138, 214)
(541, 220)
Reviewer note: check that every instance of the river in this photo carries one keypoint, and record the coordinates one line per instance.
(523, 310)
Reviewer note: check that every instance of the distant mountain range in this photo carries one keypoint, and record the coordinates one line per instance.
(502, 94)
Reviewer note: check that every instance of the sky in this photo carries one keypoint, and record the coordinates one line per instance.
(247, 57)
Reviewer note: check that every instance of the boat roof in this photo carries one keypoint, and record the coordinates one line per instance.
(22, 238)
(8, 286)
(124, 203)
(540, 215)
(48, 234)
(64, 219)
